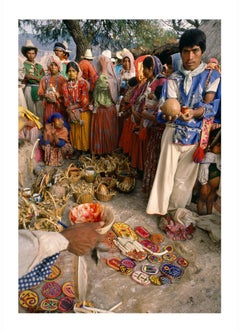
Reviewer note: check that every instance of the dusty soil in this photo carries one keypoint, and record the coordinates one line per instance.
(197, 291)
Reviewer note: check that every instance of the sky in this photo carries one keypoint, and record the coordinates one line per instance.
(228, 12)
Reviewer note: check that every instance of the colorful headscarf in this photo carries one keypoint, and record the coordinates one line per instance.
(56, 60)
(53, 116)
(58, 115)
(75, 65)
(158, 67)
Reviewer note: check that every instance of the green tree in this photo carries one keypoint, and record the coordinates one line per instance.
(113, 34)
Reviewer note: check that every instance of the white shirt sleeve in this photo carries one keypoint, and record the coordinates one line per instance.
(203, 173)
(212, 87)
(172, 89)
(34, 246)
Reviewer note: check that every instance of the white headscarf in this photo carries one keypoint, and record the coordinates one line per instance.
(132, 70)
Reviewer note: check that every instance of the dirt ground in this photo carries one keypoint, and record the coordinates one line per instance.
(198, 290)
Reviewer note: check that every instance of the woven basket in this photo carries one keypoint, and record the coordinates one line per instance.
(81, 198)
(111, 182)
(58, 208)
(104, 196)
(127, 188)
(74, 174)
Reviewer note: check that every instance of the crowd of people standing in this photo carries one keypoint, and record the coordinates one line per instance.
(116, 103)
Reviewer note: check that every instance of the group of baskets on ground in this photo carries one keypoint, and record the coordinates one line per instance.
(86, 181)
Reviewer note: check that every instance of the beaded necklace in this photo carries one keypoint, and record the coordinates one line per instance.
(73, 91)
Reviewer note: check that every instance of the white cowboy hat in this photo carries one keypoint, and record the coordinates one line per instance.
(107, 53)
(119, 54)
(28, 46)
(88, 55)
(66, 45)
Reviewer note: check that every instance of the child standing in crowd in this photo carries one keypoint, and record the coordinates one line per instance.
(209, 174)
(33, 74)
(50, 89)
(76, 100)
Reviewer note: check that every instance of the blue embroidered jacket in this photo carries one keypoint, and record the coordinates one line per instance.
(188, 132)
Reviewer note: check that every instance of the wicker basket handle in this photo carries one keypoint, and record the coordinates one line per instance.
(54, 202)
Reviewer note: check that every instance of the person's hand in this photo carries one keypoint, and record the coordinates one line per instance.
(83, 237)
(187, 115)
(51, 97)
(30, 123)
(169, 118)
(30, 77)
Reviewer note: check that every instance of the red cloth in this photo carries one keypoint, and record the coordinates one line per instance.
(88, 73)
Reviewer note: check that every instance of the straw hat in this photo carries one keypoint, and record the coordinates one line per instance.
(88, 55)
(107, 53)
(119, 54)
(66, 46)
(28, 46)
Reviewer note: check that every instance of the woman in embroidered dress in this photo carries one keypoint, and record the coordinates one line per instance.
(55, 140)
(143, 103)
(104, 128)
(50, 89)
(76, 100)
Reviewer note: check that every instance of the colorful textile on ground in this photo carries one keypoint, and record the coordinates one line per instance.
(150, 269)
(37, 274)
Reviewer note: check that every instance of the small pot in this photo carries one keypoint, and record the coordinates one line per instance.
(89, 171)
